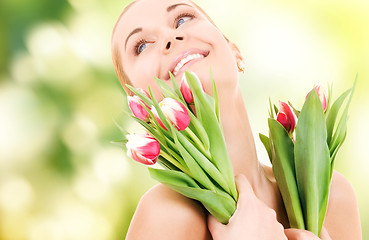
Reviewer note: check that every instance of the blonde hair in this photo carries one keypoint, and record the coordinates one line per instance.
(116, 56)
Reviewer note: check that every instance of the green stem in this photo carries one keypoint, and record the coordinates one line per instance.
(175, 162)
(198, 143)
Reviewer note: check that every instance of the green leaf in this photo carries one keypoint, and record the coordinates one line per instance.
(213, 129)
(176, 88)
(121, 143)
(166, 164)
(221, 206)
(265, 140)
(124, 132)
(159, 111)
(196, 171)
(329, 100)
(204, 162)
(276, 110)
(271, 112)
(142, 96)
(173, 177)
(340, 133)
(332, 115)
(200, 130)
(312, 162)
(334, 154)
(295, 111)
(215, 96)
(282, 151)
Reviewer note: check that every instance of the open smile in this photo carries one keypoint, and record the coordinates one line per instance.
(185, 59)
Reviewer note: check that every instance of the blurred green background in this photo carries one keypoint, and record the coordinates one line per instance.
(60, 175)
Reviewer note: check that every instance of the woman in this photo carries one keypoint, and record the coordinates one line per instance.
(153, 37)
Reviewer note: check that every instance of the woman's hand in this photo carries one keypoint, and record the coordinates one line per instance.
(298, 234)
(252, 219)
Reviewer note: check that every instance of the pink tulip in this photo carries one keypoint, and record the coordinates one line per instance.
(186, 90)
(322, 96)
(134, 103)
(286, 117)
(156, 115)
(143, 148)
(176, 113)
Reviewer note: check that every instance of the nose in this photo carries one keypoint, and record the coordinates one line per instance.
(169, 43)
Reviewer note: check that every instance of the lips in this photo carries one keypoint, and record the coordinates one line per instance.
(184, 58)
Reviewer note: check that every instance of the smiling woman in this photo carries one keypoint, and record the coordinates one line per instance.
(140, 39)
(155, 37)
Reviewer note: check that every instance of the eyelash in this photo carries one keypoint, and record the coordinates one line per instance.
(179, 16)
(182, 15)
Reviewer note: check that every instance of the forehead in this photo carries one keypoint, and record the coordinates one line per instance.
(144, 12)
(139, 7)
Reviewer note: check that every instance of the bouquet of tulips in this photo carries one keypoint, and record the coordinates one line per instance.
(188, 144)
(302, 146)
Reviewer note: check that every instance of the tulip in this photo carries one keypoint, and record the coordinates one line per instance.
(144, 92)
(286, 117)
(186, 90)
(143, 148)
(156, 115)
(322, 96)
(134, 103)
(176, 113)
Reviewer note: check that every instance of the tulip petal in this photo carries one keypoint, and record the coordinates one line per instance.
(143, 148)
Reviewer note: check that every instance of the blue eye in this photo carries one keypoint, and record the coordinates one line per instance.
(140, 46)
(182, 18)
(181, 21)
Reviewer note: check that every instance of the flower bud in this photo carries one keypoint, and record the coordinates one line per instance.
(186, 90)
(134, 103)
(322, 96)
(286, 117)
(143, 148)
(176, 113)
(156, 115)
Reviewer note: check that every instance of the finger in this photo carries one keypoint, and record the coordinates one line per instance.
(213, 224)
(245, 191)
(291, 233)
(324, 234)
(299, 234)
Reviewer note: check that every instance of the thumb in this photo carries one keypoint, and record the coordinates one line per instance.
(245, 191)
(324, 234)
(213, 225)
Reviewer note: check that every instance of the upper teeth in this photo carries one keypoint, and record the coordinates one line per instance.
(186, 60)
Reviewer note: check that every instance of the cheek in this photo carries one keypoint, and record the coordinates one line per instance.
(142, 73)
(222, 60)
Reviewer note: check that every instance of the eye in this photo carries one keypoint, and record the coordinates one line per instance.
(140, 46)
(182, 18)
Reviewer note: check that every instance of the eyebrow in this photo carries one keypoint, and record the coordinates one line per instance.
(137, 30)
(172, 7)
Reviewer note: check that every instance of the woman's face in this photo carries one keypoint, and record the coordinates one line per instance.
(158, 36)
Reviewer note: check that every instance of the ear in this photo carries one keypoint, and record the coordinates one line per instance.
(236, 51)
(237, 54)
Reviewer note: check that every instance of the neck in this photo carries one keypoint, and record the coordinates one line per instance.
(239, 139)
(242, 151)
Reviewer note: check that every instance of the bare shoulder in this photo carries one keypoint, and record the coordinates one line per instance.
(342, 219)
(165, 214)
